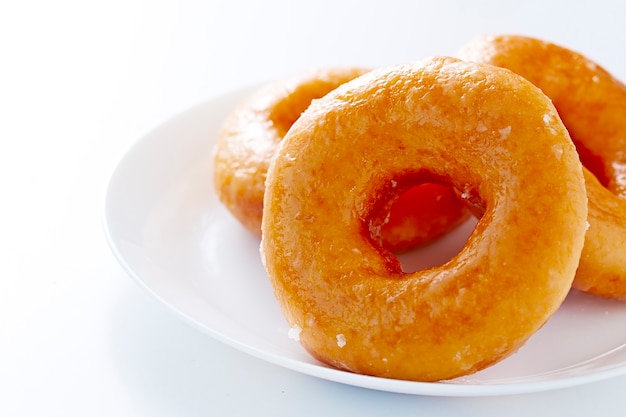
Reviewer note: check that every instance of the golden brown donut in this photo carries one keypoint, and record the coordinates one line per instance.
(592, 105)
(250, 136)
(486, 131)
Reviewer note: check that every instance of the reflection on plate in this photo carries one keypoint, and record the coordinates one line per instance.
(170, 233)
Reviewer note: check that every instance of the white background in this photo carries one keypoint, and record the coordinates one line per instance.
(81, 80)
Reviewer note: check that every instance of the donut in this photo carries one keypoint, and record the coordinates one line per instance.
(592, 105)
(483, 130)
(248, 140)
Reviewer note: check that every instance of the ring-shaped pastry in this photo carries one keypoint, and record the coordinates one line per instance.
(487, 132)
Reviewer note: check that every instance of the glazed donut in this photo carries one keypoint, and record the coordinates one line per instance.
(485, 131)
(250, 136)
(592, 105)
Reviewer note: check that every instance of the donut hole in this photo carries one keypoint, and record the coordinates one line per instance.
(423, 222)
(439, 251)
(593, 163)
(286, 112)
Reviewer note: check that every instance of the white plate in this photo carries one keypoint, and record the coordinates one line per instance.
(169, 232)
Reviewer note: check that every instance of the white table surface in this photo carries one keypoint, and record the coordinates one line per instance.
(81, 80)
